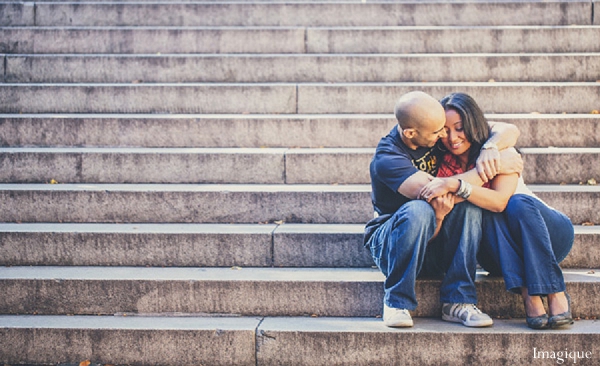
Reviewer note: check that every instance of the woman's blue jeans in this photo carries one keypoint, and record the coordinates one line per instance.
(525, 244)
(401, 251)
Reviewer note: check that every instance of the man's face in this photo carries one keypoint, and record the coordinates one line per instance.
(428, 135)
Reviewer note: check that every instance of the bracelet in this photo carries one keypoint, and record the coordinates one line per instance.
(464, 189)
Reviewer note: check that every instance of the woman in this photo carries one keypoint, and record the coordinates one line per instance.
(524, 239)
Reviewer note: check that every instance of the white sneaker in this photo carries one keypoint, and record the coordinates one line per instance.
(393, 317)
(468, 314)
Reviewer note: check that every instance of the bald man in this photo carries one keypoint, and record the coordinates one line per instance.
(408, 236)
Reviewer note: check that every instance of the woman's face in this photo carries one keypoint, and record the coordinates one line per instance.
(455, 141)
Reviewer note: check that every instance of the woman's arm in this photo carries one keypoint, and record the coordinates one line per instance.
(502, 136)
(493, 199)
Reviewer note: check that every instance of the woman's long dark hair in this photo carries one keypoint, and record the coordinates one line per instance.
(474, 122)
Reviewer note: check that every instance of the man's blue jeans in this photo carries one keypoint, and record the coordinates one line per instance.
(525, 244)
(401, 251)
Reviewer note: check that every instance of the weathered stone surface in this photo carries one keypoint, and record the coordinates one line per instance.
(338, 68)
(311, 131)
(364, 341)
(197, 245)
(317, 14)
(491, 97)
(153, 340)
(247, 291)
(148, 98)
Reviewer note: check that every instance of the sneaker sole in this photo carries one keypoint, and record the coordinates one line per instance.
(403, 324)
(482, 323)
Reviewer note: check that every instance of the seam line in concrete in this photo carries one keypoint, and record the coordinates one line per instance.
(593, 11)
(272, 264)
(297, 96)
(5, 61)
(256, 340)
(35, 7)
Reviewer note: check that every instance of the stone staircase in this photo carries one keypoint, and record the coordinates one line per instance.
(186, 182)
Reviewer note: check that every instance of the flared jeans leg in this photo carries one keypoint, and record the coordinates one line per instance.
(526, 243)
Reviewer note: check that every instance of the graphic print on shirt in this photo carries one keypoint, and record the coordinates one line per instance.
(427, 163)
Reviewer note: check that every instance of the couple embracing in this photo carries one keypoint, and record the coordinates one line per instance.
(447, 193)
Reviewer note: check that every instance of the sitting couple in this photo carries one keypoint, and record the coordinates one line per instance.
(424, 227)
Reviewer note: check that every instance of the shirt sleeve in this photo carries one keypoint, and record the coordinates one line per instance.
(393, 168)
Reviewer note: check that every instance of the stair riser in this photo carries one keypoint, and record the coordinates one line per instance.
(253, 69)
(294, 166)
(227, 207)
(143, 168)
(214, 250)
(453, 346)
(300, 40)
(201, 98)
(268, 131)
(492, 97)
(448, 40)
(287, 98)
(128, 346)
(320, 14)
(132, 40)
(306, 341)
(256, 298)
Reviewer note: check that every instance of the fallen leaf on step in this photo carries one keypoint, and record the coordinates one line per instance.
(491, 81)
(236, 268)
(592, 182)
(591, 272)
(595, 111)
(279, 222)
(53, 181)
(587, 223)
(84, 363)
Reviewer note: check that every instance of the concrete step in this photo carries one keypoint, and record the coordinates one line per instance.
(149, 98)
(163, 340)
(432, 13)
(247, 291)
(366, 341)
(120, 340)
(213, 245)
(252, 68)
(143, 165)
(297, 130)
(231, 203)
(453, 39)
(421, 39)
(250, 165)
(286, 98)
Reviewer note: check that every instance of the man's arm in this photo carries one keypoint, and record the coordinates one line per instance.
(413, 185)
(502, 136)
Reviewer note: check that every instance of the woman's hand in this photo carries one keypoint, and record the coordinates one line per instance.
(438, 187)
(442, 205)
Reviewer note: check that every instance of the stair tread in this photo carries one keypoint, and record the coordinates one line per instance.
(279, 324)
(237, 274)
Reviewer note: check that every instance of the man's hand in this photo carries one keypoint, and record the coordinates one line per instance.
(438, 187)
(442, 205)
(510, 162)
(488, 164)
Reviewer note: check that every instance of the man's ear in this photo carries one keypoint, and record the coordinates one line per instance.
(409, 133)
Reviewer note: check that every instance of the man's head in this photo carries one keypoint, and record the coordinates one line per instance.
(421, 119)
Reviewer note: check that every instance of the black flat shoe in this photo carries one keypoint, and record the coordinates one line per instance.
(565, 318)
(536, 322)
